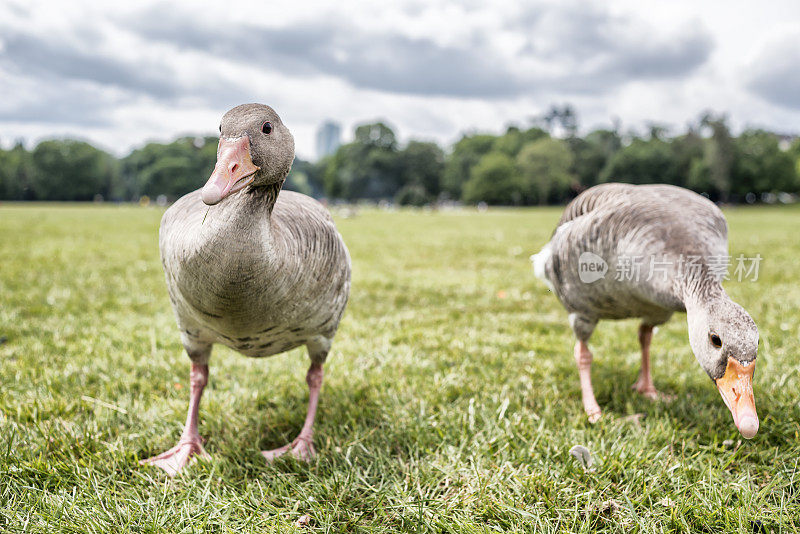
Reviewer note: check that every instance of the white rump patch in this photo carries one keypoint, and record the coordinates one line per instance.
(573, 317)
(539, 262)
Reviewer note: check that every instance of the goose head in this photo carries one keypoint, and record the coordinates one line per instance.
(255, 149)
(724, 339)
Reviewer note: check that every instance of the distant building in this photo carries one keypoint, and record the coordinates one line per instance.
(329, 137)
(785, 141)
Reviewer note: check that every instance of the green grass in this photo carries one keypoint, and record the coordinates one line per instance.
(450, 404)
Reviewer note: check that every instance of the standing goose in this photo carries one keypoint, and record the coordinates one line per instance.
(677, 237)
(259, 272)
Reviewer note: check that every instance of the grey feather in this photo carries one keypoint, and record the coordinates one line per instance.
(667, 223)
(266, 271)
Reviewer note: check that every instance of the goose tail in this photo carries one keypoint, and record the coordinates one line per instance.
(539, 262)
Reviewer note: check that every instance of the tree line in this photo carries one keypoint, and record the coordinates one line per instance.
(522, 166)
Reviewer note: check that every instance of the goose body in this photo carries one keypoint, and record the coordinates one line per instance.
(260, 271)
(632, 229)
(260, 284)
(647, 251)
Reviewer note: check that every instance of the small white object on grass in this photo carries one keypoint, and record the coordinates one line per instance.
(583, 456)
(635, 418)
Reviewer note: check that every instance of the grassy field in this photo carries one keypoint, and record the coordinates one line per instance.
(450, 404)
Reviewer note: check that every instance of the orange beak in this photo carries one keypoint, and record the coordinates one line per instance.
(233, 172)
(736, 388)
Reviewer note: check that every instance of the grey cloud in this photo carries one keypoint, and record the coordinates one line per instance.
(399, 64)
(50, 61)
(18, 8)
(668, 60)
(645, 62)
(587, 42)
(775, 75)
(70, 80)
(392, 63)
(596, 51)
(602, 51)
(66, 103)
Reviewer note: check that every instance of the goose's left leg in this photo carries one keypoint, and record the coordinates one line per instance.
(302, 447)
(644, 384)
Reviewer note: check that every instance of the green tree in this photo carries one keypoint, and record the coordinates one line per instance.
(422, 167)
(642, 162)
(16, 174)
(794, 150)
(761, 166)
(689, 153)
(544, 167)
(337, 177)
(591, 154)
(720, 153)
(698, 177)
(298, 181)
(465, 155)
(306, 177)
(172, 169)
(71, 170)
(563, 117)
(514, 139)
(367, 168)
(494, 180)
(377, 135)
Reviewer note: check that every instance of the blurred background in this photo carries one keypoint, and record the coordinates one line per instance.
(404, 101)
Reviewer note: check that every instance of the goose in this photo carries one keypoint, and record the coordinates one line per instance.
(678, 239)
(251, 269)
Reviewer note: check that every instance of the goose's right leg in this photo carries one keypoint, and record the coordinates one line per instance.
(644, 385)
(583, 357)
(583, 328)
(190, 444)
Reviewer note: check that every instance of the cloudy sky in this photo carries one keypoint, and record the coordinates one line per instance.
(120, 74)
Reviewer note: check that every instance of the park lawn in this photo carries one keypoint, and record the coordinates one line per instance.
(450, 403)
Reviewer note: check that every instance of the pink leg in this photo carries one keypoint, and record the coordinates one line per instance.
(302, 447)
(644, 384)
(176, 458)
(584, 360)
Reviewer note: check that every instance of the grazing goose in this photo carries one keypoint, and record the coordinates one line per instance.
(259, 272)
(678, 238)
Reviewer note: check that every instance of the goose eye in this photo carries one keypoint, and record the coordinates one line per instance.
(266, 127)
(715, 340)
(220, 128)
